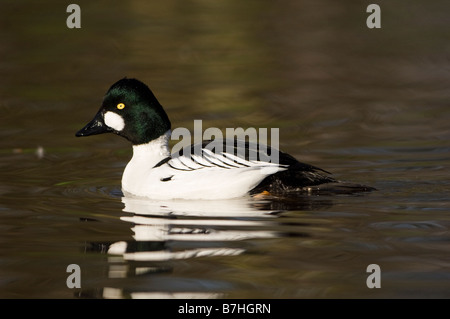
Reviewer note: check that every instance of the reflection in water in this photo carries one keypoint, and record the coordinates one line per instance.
(167, 231)
(160, 222)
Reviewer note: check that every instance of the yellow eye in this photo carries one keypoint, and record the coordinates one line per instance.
(120, 106)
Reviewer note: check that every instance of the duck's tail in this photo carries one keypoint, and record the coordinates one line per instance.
(307, 180)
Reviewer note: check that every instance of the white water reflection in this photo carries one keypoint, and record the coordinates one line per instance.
(165, 231)
(238, 207)
(164, 240)
(190, 221)
(115, 293)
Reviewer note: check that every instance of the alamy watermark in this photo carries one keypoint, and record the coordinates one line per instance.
(74, 19)
(374, 279)
(74, 279)
(374, 19)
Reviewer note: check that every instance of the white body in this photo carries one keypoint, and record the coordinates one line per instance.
(183, 178)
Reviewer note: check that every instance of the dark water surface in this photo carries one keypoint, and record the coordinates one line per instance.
(371, 106)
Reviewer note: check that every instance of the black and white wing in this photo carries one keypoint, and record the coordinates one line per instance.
(226, 154)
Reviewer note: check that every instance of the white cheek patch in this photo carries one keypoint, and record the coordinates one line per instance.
(114, 121)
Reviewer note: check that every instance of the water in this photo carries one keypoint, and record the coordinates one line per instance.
(369, 105)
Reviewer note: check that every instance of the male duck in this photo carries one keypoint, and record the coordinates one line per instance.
(130, 109)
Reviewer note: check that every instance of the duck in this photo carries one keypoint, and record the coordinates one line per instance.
(131, 110)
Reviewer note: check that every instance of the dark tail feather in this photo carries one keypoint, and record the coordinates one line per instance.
(338, 188)
(293, 182)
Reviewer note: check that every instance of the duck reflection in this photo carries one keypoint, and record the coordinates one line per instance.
(166, 231)
(161, 228)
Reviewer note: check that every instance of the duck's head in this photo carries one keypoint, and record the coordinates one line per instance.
(129, 109)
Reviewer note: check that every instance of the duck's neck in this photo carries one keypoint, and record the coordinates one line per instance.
(152, 152)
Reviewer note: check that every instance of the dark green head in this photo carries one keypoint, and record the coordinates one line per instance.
(129, 109)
